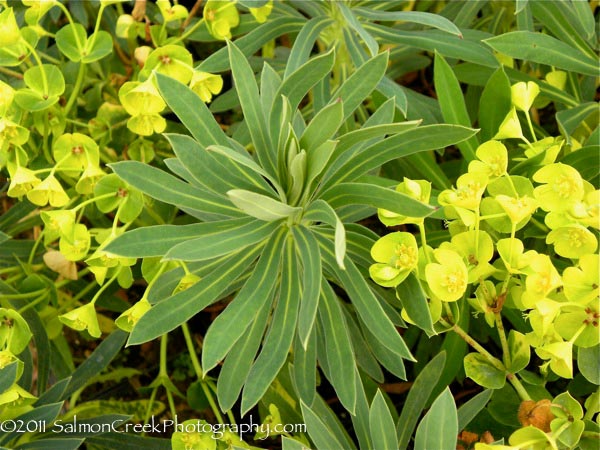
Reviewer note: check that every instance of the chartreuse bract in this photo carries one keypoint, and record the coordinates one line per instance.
(275, 225)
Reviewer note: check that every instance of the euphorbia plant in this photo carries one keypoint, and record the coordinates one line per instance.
(276, 226)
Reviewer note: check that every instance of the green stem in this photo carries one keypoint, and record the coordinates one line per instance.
(97, 26)
(92, 200)
(32, 303)
(24, 295)
(473, 343)
(72, 22)
(422, 232)
(36, 244)
(188, 32)
(104, 286)
(12, 73)
(199, 373)
(39, 62)
(62, 283)
(76, 88)
(503, 341)
(531, 130)
(518, 386)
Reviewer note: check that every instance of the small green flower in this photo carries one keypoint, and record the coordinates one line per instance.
(58, 223)
(511, 252)
(417, 189)
(88, 179)
(171, 60)
(557, 78)
(477, 249)
(16, 397)
(493, 160)
(141, 98)
(7, 95)
(563, 187)
(186, 282)
(22, 182)
(573, 241)
(37, 9)
(580, 324)
(83, 318)
(48, 191)
(447, 280)
(171, 12)
(560, 355)
(12, 133)
(261, 14)
(147, 124)
(75, 151)
(396, 255)
(127, 320)
(220, 17)
(125, 24)
(9, 29)
(510, 127)
(542, 279)
(517, 209)
(76, 246)
(469, 190)
(14, 331)
(550, 146)
(485, 297)
(206, 85)
(523, 94)
(582, 284)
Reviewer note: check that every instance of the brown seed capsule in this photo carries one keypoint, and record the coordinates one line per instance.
(536, 414)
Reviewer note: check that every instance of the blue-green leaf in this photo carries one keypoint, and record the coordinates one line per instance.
(439, 427)
(177, 309)
(222, 242)
(382, 424)
(221, 336)
(280, 335)
(544, 49)
(308, 251)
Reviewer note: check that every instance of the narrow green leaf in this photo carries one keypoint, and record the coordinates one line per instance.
(239, 360)
(222, 242)
(452, 103)
(361, 83)
(422, 18)
(305, 42)
(321, 211)
(354, 23)
(97, 361)
(560, 19)
(245, 86)
(417, 398)
(310, 256)
(253, 41)
(292, 444)
(364, 356)
(192, 111)
(439, 427)
(415, 140)
(225, 173)
(51, 444)
(280, 335)
(494, 104)
(378, 197)
(246, 161)
(322, 127)
(304, 369)
(544, 49)
(159, 239)
(571, 119)
(435, 40)
(298, 83)
(360, 420)
(176, 309)
(8, 376)
(221, 337)
(318, 431)
(340, 355)
(261, 206)
(366, 305)
(382, 424)
(468, 411)
(317, 161)
(415, 303)
(386, 357)
(166, 188)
